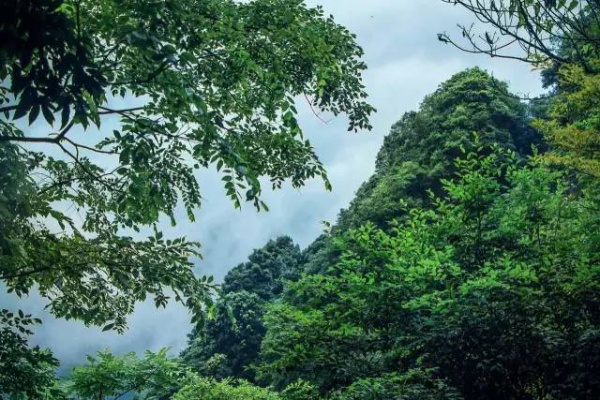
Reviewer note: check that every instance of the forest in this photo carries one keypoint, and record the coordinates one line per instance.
(466, 267)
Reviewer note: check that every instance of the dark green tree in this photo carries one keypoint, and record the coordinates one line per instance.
(208, 83)
(24, 370)
(229, 344)
(266, 269)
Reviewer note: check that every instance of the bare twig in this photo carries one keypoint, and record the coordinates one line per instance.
(79, 145)
(314, 111)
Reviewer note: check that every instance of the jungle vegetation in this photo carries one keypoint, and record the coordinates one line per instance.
(466, 267)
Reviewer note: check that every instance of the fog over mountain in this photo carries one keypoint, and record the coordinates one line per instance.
(406, 62)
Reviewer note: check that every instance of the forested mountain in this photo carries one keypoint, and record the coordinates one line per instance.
(420, 148)
(229, 344)
(466, 267)
(471, 272)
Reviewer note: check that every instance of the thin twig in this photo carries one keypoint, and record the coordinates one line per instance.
(314, 112)
(77, 145)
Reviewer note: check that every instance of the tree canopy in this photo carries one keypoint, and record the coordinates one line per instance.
(229, 344)
(491, 292)
(201, 83)
(466, 267)
(108, 110)
(479, 282)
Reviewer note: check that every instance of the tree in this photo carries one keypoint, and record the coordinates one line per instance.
(201, 83)
(159, 377)
(233, 337)
(266, 270)
(491, 293)
(572, 125)
(208, 389)
(412, 385)
(109, 376)
(24, 370)
(541, 29)
(229, 343)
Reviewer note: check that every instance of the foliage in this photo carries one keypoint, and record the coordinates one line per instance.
(299, 390)
(562, 37)
(574, 121)
(158, 377)
(266, 269)
(462, 269)
(494, 290)
(229, 344)
(204, 82)
(208, 389)
(153, 377)
(413, 385)
(420, 149)
(94, 279)
(24, 370)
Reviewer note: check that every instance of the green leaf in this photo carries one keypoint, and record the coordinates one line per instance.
(33, 113)
(48, 115)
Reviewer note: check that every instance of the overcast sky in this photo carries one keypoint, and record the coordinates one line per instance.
(406, 62)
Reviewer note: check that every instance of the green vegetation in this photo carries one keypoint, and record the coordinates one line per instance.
(229, 343)
(70, 61)
(206, 83)
(466, 267)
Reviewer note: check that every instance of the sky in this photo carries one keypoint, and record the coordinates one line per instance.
(406, 62)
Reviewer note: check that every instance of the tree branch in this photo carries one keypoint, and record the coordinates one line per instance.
(162, 68)
(53, 140)
(27, 139)
(108, 111)
(8, 108)
(78, 145)
(76, 160)
(25, 273)
(313, 110)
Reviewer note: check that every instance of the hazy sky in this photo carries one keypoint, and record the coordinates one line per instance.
(406, 62)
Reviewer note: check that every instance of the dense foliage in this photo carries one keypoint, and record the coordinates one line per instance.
(420, 148)
(24, 370)
(419, 151)
(467, 266)
(192, 84)
(476, 277)
(494, 290)
(229, 343)
(127, 100)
